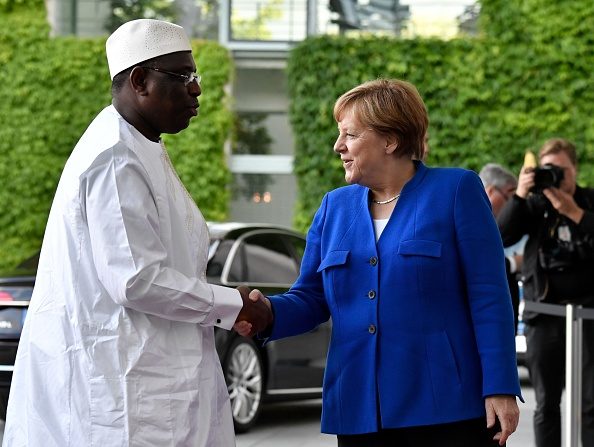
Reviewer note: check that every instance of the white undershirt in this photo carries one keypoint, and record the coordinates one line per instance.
(379, 225)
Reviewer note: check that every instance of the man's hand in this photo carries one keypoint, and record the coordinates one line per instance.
(505, 409)
(564, 204)
(255, 315)
(525, 182)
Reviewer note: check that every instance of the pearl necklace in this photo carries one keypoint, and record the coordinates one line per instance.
(383, 202)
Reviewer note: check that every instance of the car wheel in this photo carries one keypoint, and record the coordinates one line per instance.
(243, 371)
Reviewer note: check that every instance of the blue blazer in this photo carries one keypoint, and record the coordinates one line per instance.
(422, 321)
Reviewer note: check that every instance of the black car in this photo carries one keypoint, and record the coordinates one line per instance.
(16, 288)
(266, 257)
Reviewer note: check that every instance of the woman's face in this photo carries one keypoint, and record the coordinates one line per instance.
(361, 150)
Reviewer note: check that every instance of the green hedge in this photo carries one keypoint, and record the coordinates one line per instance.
(527, 78)
(51, 89)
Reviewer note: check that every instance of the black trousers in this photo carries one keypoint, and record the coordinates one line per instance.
(470, 433)
(545, 358)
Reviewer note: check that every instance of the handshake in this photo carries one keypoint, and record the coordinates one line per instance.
(255, 315)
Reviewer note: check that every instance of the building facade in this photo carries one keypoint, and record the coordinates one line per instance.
(259, 34)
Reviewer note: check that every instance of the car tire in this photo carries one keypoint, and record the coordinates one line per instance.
(244, 374)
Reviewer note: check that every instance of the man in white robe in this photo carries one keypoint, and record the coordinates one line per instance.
(118, 345)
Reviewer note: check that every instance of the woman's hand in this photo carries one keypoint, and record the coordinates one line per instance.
(505, 409)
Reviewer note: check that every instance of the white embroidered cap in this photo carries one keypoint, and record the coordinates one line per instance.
(139, 40)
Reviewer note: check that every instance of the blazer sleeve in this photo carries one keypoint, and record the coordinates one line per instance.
(483, 264)
(304, 306)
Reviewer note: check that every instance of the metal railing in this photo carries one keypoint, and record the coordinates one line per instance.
(574, 317)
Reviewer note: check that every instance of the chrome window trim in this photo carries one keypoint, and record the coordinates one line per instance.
(234, 249)
(14, 304)
(279, 391)
(255, 285)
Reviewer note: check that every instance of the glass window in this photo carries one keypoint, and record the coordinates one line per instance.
(298, 246)
(268, 20)
(217, 262)
(238, 270)
(268, 260)
(274, 204)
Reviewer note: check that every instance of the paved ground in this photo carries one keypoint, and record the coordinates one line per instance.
(298, 424)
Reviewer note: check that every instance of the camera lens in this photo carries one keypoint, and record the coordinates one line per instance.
(546, 177)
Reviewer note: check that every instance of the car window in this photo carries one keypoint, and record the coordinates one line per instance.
(298, 246)
(238, 270)
(217, 261)
(268, 260)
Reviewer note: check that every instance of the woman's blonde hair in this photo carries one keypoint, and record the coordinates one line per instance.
(389, 107)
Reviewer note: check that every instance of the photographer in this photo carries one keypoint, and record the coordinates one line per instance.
(558, 268)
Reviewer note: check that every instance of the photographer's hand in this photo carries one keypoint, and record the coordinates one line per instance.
(525, 182)
(564, 204)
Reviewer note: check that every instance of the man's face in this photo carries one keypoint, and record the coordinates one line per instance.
(499, 196)
(170, 105)
(562, 160)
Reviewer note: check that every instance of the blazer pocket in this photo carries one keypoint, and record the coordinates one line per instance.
(334, 258)
(431, 249)
(444, 370)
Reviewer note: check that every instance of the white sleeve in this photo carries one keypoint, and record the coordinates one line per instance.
(129, 256)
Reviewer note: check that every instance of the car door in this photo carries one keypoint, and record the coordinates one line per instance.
(270, 261)
(299, 362)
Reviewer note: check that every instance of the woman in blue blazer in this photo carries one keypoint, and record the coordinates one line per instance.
(408, 262)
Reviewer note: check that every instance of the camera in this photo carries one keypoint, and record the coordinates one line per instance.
(547, 176)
